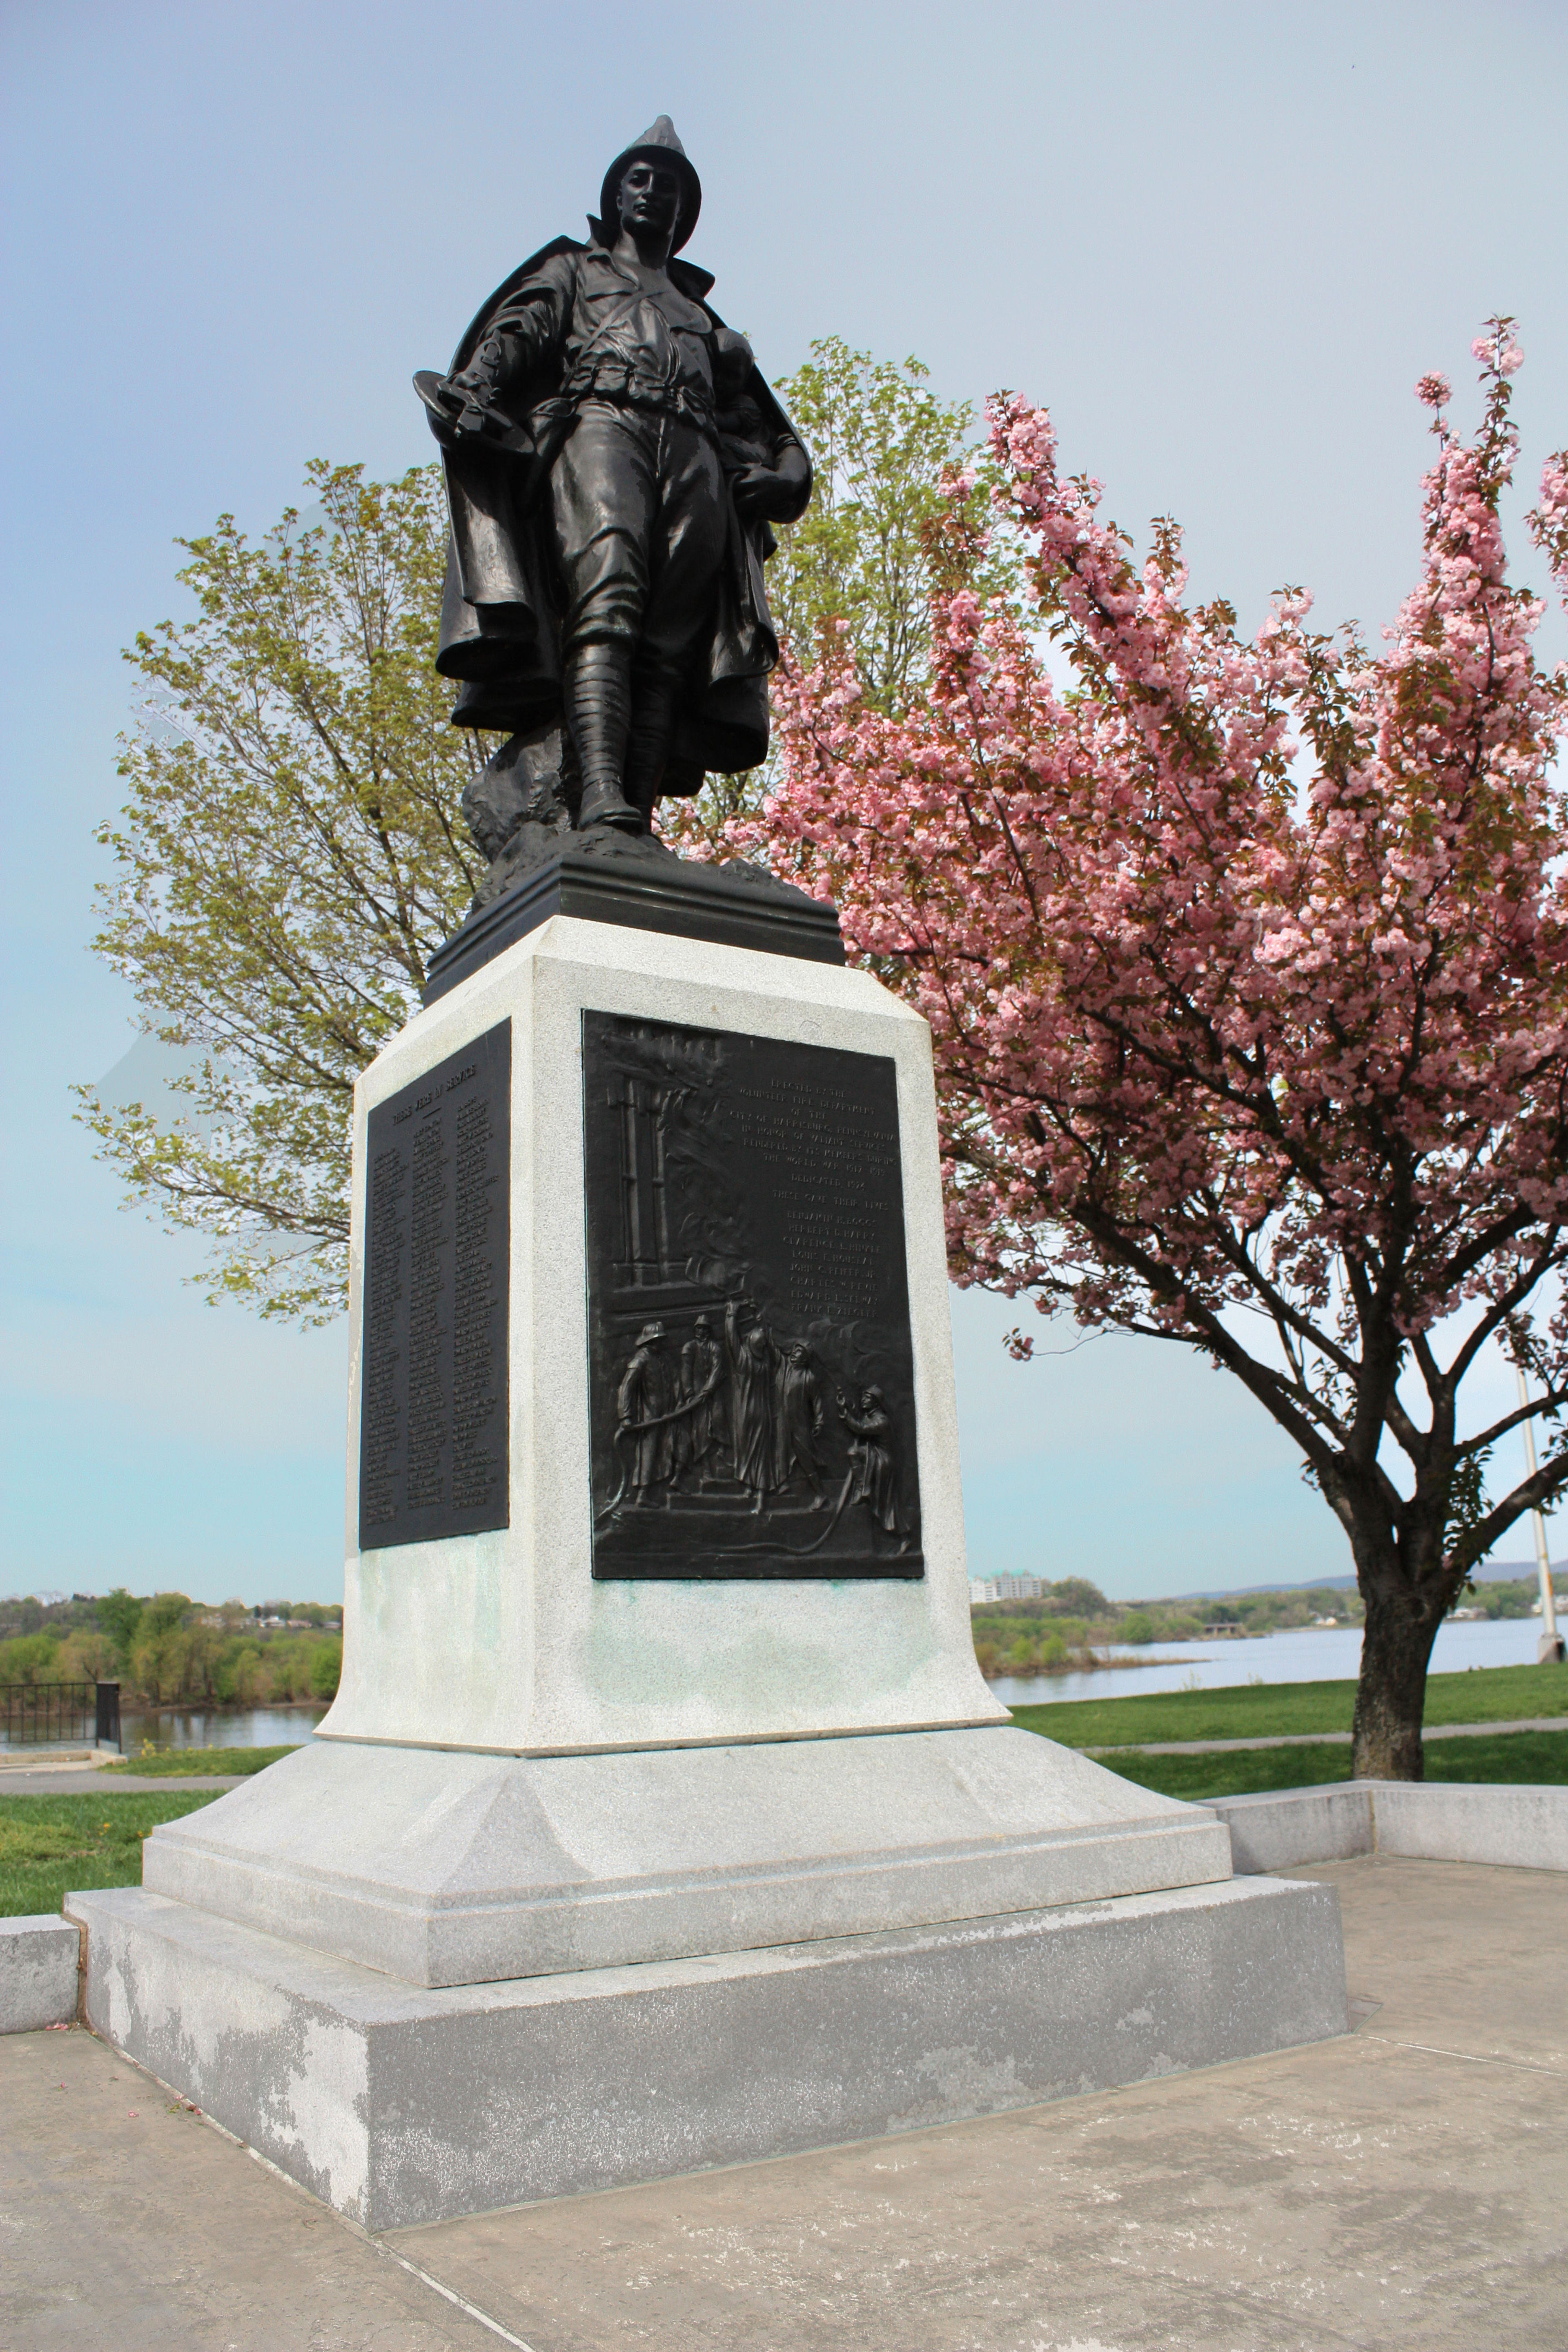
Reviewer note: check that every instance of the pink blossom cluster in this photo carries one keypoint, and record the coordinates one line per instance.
(1246, 962)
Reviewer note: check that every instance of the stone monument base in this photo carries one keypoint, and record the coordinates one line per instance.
(443, 1868)
(663, 1819)
(426, 1981)
(399, 2104)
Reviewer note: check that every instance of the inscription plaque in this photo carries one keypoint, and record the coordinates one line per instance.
(750, 1361)
(433, 1372)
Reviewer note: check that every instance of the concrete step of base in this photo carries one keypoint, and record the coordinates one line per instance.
(398, 2103)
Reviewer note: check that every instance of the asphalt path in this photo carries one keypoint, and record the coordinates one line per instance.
(72, 1780)
(1323, 1738)
(65, 1779)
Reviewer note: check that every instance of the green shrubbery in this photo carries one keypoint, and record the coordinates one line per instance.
(1007, 1648)
(1072, 1625)
(166, 1763)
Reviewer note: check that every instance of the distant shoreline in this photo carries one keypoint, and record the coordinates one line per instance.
(1098, 1663)
(225, 1707)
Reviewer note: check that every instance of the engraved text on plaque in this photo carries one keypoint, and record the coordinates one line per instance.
(433, 1401)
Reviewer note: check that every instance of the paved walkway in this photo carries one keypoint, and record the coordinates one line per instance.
(42, 1779)
(72, 1780)
(1404, 2189)
(1324, 1739)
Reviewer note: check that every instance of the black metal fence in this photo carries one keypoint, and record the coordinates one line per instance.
(34, 1715)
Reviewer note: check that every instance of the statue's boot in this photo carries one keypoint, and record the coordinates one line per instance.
(655, 709)
(598, 712)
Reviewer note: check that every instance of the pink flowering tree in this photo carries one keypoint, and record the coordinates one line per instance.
(1246, 968)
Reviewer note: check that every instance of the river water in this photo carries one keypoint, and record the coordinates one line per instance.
(251, 1727)
(1308, 1654)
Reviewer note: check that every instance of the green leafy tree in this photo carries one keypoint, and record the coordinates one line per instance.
(1075, 1596)
(166, 1613)
(119, 1615)
(326, 1665)
(882, 445)
(30, 1658)
(290, 856)
(88, 1656)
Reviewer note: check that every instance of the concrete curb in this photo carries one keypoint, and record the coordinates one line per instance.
(40, 1958)
(1521, 1827)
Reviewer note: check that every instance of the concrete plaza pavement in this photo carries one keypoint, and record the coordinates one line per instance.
(1406, 2187)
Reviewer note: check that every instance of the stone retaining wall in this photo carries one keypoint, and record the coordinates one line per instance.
(39, 1959)
(1523, 1827)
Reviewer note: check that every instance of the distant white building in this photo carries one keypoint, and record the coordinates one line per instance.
(982, 1589)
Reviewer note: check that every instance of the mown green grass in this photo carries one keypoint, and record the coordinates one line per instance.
(1490, 1695)
(51, 1844)
(165, 1761)
(1505, 1756)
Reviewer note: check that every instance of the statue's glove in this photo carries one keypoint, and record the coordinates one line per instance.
(473, 389)
(772, 493)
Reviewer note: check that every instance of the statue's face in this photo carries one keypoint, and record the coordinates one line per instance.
(650, 198)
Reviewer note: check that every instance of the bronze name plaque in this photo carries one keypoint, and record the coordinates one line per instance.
(750, 1363)
(433, 1373)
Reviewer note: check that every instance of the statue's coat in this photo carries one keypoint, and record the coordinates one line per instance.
(501, 623)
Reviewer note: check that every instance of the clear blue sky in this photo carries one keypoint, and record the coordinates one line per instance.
(1220, 241)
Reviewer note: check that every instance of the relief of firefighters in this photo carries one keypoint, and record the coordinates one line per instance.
(740, 1416)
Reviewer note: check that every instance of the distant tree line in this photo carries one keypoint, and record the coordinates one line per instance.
(1518, 1597)
(164, 1650)
(1072, 1626)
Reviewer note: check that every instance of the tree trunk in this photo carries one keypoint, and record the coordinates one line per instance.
(1390, 1696)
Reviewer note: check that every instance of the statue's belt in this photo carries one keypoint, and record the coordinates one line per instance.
(621, 380)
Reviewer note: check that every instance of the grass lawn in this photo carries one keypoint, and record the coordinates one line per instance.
(166, 1761)
(1506, 1756)
(49, 1844)
(1262, 1711)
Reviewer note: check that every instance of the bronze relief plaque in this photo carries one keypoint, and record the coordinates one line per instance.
(750, 1361)
(432, 1368)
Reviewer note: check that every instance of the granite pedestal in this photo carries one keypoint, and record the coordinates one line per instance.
(614, 1858)
(399, 2106)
